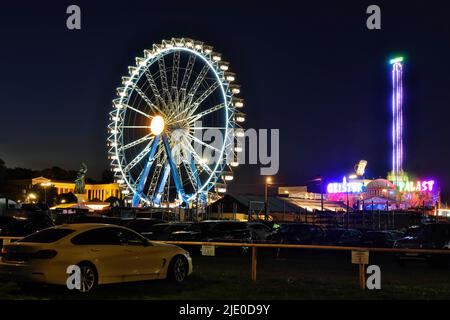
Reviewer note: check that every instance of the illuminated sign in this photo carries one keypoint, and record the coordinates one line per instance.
(344, 187)
(411, 186)
(361, 167)
(396, 60)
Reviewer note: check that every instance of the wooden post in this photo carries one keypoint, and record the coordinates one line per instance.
(362, 276)
(254, 262)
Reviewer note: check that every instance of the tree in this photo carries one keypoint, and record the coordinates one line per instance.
(45, 195)
(115, 202)
(66, 198)
(19, 173)
(2, 171)
(57, 173)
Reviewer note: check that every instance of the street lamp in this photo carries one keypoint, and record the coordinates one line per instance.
(44, 185)
(321, 194)
(350, 177)
(32, 197)
(266, 205)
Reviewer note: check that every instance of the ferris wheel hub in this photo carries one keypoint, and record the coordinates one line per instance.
(157, 125)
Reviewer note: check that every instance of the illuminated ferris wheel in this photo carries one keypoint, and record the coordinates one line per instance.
(175, 93)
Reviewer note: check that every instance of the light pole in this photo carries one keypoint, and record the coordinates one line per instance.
(266, 204)
(348, 217)
(44, 185)
(321, 194)
(350, 177)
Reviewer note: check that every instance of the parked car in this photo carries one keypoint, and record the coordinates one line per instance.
(378, 239)
(208, 231)
(104, 253)
(163, 231)
(143, 225)
(4, 222)
(397, 234)
(428, 236)
(23, 227)
(411, 232)
(298, 233)
(225, 231)
(342, 237)
(259, 231)
(214, 230)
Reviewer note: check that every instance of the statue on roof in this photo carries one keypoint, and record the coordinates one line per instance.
(79, 182)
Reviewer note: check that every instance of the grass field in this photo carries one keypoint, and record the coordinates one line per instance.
(302, 276)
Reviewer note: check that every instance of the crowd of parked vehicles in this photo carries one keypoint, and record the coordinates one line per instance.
(428, 235)
(432, 236)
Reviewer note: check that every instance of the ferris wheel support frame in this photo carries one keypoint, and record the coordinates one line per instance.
(143, 180)
(160, 186)
(173, 169)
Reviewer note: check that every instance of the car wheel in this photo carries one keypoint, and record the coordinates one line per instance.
(89, 277)
(178, 269)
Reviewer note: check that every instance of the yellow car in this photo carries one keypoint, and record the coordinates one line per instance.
(103, 253)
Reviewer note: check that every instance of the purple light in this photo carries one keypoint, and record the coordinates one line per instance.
(397, 120)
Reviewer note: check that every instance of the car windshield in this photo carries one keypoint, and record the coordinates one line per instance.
(395, 235)
(259, 226)
(204, 226)
(374, 236)
(141, 224)
(284, 228)
(159, 227)
(230, 226)
(412, 232)
(48, 235)
(178, 227)
(334, 234)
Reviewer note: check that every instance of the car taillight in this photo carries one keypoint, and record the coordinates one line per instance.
(44, 254)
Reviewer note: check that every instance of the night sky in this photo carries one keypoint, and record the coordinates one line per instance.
(312, 70)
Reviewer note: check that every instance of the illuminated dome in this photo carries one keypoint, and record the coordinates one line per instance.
(380, 184)
(380, 188)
